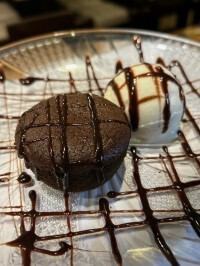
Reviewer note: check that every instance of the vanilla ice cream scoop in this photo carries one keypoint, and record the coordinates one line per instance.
(152, 99)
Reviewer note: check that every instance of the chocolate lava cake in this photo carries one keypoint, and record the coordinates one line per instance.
(73, 142)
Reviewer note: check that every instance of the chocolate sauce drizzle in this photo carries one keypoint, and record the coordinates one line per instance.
(117, 93)
(191, 214)
(2, 76)
(176, 63)
(90, 68)
(24, 178)
(50, 140)
(118, 66)
(166, 110)
(27, 239)
(72, 83)
(30, 80)
(4, 180)
(151, 220)
(64, 169)
(5, 174)
(131, 82)
(138, 44)
(97, 139)
(160, 61)
(9, 117)
(21, 152)
(133, 98)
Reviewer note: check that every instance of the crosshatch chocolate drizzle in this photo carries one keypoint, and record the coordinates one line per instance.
(131, 82)
(63, 171)
(97, 139)
(64, 149)
(27, 239)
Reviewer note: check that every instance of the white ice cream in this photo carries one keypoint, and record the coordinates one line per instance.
(151, 101)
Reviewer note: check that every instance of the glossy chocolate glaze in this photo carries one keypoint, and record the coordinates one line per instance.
(64, 168)
(166, 110)
(24, 178)
(97, 139)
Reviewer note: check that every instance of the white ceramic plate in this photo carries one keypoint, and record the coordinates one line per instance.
(54, 56)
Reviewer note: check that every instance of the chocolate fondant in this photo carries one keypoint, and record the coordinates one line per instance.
(73, 141)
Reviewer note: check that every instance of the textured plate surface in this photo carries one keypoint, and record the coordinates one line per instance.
(54, 56)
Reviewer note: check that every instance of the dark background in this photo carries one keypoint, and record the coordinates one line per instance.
(24, 18)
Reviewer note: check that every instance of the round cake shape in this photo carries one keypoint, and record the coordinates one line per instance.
(74, 141)
(152, 99)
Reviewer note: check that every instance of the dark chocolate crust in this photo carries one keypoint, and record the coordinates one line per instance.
(73, 141)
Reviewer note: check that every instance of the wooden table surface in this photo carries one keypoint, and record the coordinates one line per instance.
(191, 32)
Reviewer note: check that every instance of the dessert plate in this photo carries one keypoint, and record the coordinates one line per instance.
(148, 214)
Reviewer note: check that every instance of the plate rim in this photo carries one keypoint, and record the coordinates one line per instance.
(71, 34)
(77, 33)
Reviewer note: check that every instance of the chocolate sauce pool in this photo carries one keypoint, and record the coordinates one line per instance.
(24, 178)
(27, 239)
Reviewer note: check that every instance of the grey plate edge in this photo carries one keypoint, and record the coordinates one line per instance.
(76, 33)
